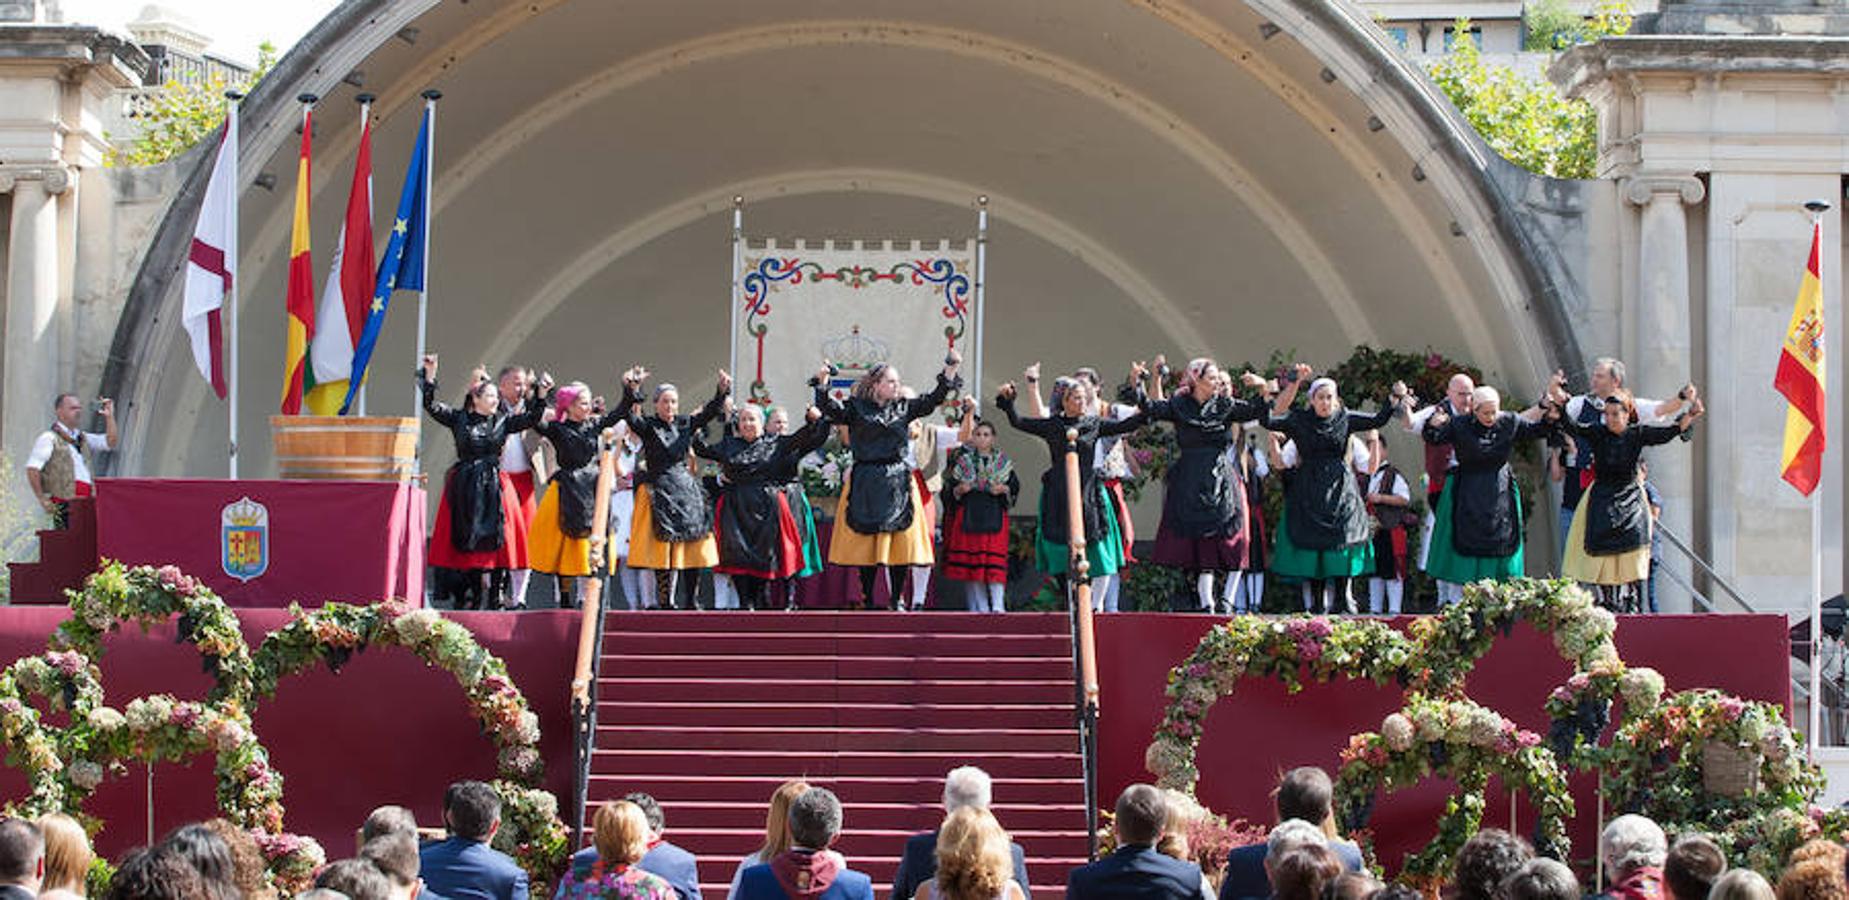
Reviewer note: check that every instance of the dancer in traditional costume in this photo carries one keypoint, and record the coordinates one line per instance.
(1477, 525)
(672, 528)
(1203, 530)
(1389, 498)
(760, 537)
(1439, 461)
(525, 468)
(626, 449)
(1609, 544)
(783, 590)
(1245, 589)
(477, 528)
(1111, 459)
(559, 542)
(1323, 536)
(1104, 549)
(983, 486)
(880, 519)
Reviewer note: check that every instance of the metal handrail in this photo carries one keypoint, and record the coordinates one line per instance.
(590, 645)
(1084, 645)
(1703, 565)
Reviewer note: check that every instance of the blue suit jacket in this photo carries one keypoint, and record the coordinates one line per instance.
(471, 870)
(919, 865)
(1136, 872)
(674, 865)
(758, 883)
(1245, 870)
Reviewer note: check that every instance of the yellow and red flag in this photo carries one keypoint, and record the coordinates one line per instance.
(1801, 378)
(301, 296)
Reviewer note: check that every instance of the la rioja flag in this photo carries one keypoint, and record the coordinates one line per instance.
(1801, 378)
(212, 262)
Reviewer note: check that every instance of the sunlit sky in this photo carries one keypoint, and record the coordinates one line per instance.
(236, 27)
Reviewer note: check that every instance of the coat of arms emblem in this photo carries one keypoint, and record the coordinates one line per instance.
(244, 539)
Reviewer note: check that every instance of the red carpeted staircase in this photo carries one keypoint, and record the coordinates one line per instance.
(66, 557)
(710, 711)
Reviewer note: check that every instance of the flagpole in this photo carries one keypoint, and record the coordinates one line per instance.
(738, 284)
(231, 302)
(1816, 208)
(982, 269)
(423, 294)
(365, 100)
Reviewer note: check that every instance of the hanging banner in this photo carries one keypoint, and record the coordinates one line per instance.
(854, 304)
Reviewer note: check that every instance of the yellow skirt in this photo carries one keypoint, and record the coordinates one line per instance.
(911, 547)
(549, 549)
(1616, 569)
(646, 551)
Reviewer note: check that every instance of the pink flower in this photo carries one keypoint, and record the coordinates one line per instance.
(69, 662)
(1309, 651)
(185, 716)
(1579, 682)
(1198, 670)
(1732, 707)
(1526, 739)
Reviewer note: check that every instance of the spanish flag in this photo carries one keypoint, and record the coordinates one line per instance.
(1801, 379)
(301, 296)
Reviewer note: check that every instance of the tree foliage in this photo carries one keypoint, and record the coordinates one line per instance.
(174, 116)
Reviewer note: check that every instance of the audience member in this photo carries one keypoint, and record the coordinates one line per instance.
(321, 894)
(1354, 886)
(1486, 860)
(387, 820)
(973, 860)
(1741, 884)
(249, 870)
(1303, 793)
(663, 858)
(777, 832)
(1690, 868)
(150, 873)
(67, 854)
(806, 871)
(394, 854)
(464, 867)
(620, 836)
(207, 853)
(1396, 891)
(1290, 834)
(964, 787)
(1541, 879)
(1304, 873)
(1814, 873)
(356, 878)
(1136, 870)
(22, 859)
(1633, 848)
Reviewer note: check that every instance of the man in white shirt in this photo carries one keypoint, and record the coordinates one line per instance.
(1589, 409)
(64, 451)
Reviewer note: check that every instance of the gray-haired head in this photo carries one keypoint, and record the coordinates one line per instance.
(1741, 884)
(1614, 367)
(1291, 834)
(967, 786)
(815, 818)
(1631, 842)
(388, 820)
(665, 388)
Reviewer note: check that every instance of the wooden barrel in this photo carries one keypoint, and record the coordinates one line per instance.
(345, 448)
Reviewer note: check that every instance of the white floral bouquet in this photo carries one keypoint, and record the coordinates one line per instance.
(824, 472)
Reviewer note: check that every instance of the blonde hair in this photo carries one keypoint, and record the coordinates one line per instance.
(974, 861)
(67, 852)
(777, 820)
(621, 832)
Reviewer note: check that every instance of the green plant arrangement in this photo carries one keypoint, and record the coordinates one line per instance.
(147, 596)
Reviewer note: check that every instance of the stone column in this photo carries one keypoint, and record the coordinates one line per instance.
(33, 323)
(1665, 348)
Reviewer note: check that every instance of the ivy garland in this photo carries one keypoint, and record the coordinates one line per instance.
(148, 595)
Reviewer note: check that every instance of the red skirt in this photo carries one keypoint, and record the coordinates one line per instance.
(787, 556)
(511, 555)
(975, 557)
(524, 490)
(1220, 554)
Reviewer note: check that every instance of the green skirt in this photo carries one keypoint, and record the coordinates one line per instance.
(1291, 561)
(1106, 555)
(805, 522)
(1444, 563)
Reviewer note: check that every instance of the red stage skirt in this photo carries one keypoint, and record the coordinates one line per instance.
(525, 490)
(512, 555)
(788, 554)
(975, 557)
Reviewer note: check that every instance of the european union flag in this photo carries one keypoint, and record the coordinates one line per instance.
(402, 266)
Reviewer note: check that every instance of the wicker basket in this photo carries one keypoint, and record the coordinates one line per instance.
(1729, 771)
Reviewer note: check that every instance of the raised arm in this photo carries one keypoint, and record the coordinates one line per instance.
(967, 429)
(1359, 422)
(1036, 407)
(1124, 425)
(834, 411)
(1037, 426)
(808, 438)
(444, 414)
(715, 406)
(1280, 407)
(919, 407)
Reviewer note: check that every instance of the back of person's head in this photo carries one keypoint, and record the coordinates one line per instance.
(22, 852)
(395, 855)
(1815, 873)
(620, 831)
(967, 786)
(1142, 814)
(973, 858)
(1631, 842)
(1396, 891)
(249, 870)
(59, 894)
(1291, 834)
(208, 854)
(1541, 879)
(1693, 863)
(321, 893)
(651, 810)
(1351, 886)
(1741, 884)
(356, 878)
(1303, 873)
(815, 819)
(67, 853)
(777, 819)
(151, 873)
(388, 820)
(472, 809)
(1490, 856)
(1305, 793)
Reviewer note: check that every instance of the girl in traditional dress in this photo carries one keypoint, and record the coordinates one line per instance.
(672, 528)
(783, 590)
(1389, 496)
(1203, 528)
(1323, 536)
(477, 528)
(627, 463)
(1113, 466)
(1609, 544)
(983, 486)
(1245, 589)
(760, 539)
(1072, 410)
(880, 519)
(1477, 526)
(559, 542)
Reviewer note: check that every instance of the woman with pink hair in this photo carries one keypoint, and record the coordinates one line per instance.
(559, 542)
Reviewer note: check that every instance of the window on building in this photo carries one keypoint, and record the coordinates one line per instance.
(1475, 34)
(1398, 34)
